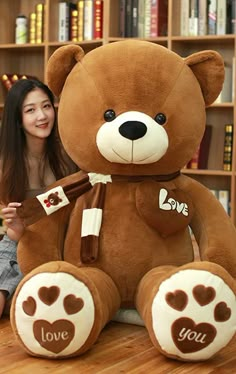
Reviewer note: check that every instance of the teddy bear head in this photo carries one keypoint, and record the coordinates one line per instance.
(133, 107)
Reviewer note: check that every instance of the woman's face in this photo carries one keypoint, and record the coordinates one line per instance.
(37, 114)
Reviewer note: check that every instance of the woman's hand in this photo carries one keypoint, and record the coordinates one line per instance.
(15, 225)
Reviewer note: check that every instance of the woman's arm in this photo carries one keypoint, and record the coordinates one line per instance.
(15, 225)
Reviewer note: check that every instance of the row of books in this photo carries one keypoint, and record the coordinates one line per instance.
(80, 21)
(143, 18)
(200, 158)
(207, 17)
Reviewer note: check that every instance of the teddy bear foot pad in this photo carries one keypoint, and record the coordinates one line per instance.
(193, 314)
(54, 314)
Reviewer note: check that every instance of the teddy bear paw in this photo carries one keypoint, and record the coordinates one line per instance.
(193, 314)
(53, 314)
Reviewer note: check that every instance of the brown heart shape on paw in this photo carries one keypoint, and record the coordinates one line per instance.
(177, 300)
(48, 295)
(73, 304)
(203, 295)
(190, 337)
(29, 306)
(222, 313)
(54, 337)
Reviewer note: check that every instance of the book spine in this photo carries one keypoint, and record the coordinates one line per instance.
(221, 17)
(212, 13)
(233, 17)
(88, 20)
(80, 8)
(202, 17)
(128, 19)
(122, 18)
(184, 17)
(74, 26)
(135, 18)
(193, 18)
(39, 22)
(162, 17)
(141, 12)
(147, 19)
(72, 7)
(153, 26)
(32, 28)
(98, 19)
(228, 146)
(63, 26)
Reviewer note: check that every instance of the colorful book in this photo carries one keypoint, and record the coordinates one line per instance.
(39, 10)
(80, 8)
(128, 19)
(212, 16)
(32, 28)
(98, 19)
(141, 16)
(122, 18)
(159, 18)
(73, 22)
(63, 21)
(184, 17)
(135, 18)
(202, 17)
(228, 147)
(88, 19)
(147, 19)
(221, 17)
(233, 17)
(193, 18)
(74, 26)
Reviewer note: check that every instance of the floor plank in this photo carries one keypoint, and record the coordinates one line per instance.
(121, 348)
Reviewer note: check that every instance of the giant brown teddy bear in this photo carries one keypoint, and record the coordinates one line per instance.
(116, 234)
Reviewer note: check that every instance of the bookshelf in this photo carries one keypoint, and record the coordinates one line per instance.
(31, 59)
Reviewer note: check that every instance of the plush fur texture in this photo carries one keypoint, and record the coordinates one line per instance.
(131, 113)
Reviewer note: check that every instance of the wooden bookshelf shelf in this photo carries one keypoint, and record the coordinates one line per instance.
(31, 59)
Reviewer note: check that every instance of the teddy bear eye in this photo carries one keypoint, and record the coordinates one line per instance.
(160, 118)
(109, 115)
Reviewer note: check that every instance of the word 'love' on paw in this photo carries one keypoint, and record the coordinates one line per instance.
(62, 321)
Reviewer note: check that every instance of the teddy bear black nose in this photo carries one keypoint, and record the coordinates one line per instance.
(133, 130)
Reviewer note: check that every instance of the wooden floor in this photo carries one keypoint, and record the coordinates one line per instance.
(121, 348)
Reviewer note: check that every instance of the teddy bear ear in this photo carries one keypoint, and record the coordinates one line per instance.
(60, 64)
(208, 67)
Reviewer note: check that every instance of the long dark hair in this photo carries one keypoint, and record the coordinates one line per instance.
(14, 179)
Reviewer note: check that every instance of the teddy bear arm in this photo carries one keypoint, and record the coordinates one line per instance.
(43, 241)
(212, 228)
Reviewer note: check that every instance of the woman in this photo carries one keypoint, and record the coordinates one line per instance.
(31, 158)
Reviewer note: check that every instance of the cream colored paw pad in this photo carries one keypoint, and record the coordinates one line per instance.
(194, 315)
(54, 314)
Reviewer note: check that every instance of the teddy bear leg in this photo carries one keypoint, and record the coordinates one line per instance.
(59, 310)
(189, 311)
